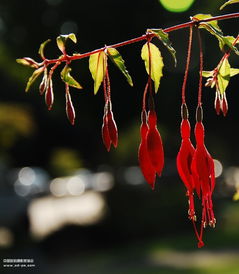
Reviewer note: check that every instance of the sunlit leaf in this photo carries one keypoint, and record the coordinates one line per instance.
(67, 78)
(207, 73)
(163, 37)
(223, 76)
(228, 3)
(33, 78)
(97, 66)
(117, 59)
(26, 61)
(200, 16)
(151, 52)
(61, 41)
(212, 27)
(234, 71)
(42, 47)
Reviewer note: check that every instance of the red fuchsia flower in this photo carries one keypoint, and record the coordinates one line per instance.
(151, 153)
(109, 129)
(204, 178)
(144, 161)
(105, 132)
(49, 95)
(154, 144)
(70, 111)
(220, 103)
(184, 162)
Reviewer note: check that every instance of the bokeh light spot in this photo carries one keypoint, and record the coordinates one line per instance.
(176, 6)
(218, 168)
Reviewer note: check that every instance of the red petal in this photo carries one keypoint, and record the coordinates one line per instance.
(43, 84)
(154, 144)
(70, 111)
(224, 105)
(144, 161)
(49, 95)
(217, 104)
(105, 133)
(184, 162)
(113, 132)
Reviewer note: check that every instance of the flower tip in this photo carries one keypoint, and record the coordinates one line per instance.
(152, 185)
(115, 143)
(200, 244)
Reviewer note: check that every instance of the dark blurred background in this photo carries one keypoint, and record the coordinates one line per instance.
(65, 202)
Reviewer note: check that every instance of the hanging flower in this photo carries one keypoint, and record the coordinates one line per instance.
(184, 161)
(144, 160)
(203, 176)
(151, 153)
(109, 129)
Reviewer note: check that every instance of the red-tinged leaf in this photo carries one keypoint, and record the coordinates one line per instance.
(70, 111)
(105, 133)
(61, 41)
(154, 144)
(42, 48)
(113, 132)
(143, 156)
(33, 78)
(26, 61)
(49, 95)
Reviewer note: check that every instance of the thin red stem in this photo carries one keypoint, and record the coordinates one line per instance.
(187, 64)
(67, 58)
(227, 54)
(108, 84)
(200, 68)
(105, 90)
(144, 97)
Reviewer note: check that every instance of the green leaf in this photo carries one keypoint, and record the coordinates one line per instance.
(26, 61)
(223, 76)
(200, 16)
(234, 71)
(229, 3)
(42, 47)
(67, 78)
(117, 59)
(61, 41)
(213, 28)
(207, 73)
(163, 37)
(33, 78)
(152, 53)
(97, 66)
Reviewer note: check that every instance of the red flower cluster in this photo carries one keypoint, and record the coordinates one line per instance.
(150, 154)
(196, 169)
(220, 103)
